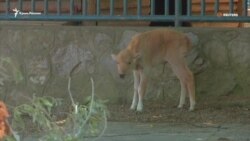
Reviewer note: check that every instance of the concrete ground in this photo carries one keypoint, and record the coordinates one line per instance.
(124, 131)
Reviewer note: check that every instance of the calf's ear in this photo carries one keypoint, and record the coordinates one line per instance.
(113, 57)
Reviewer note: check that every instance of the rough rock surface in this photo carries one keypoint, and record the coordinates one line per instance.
(45, 56)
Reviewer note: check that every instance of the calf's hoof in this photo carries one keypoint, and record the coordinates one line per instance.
(139, 108)
(132, 108)
(180, 106)
(191, 109)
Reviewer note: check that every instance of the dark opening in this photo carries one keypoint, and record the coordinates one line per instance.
(159, 10)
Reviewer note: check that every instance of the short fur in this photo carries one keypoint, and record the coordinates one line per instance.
(157, 47)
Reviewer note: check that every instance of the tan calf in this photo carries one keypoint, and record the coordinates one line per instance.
(156, 47)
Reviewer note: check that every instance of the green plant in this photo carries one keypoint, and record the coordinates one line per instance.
(38, 116)
(87, 119)
(38, 110)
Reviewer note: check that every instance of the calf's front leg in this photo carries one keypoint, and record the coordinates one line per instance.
(141, 91)
(136, 87)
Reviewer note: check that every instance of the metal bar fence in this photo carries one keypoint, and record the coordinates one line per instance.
(46, 5)
(71, 7)
(139, 6)
(125, 7)
(33, 6)
(216, 7)
(166, 10)
(7, 6)
(20, 4)
(203, 7)
(152, 8)
(189, 7)
(83, 14)
(58, 7)
(245, 3)
(177, 13)
(112, 7)
(84, 8)
(98, 7)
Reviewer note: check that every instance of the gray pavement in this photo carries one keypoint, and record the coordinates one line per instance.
(124, 131)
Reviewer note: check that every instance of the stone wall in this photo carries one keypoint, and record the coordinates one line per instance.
(36, 60)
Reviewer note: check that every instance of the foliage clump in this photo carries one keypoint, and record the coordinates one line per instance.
(39, 117)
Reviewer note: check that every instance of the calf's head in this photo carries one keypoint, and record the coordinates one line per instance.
(124, 61)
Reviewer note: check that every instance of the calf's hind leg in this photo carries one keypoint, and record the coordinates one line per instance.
(183, 94)
(186, 80)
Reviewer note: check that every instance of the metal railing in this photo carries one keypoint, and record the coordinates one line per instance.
(78, 10)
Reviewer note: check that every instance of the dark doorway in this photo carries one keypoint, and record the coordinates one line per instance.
(159, 10)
